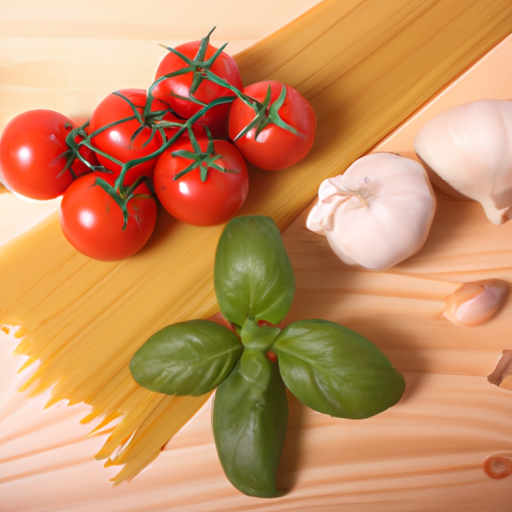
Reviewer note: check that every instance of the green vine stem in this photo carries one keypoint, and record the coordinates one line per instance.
(265, 114)
(73, 151)
(198, 66)
(119, 193)
(186, 126)
(202, 160)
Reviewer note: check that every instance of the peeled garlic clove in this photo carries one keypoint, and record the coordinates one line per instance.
(377, 213)
(475, 303)
(470, 148)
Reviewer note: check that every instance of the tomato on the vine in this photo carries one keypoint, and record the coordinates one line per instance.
(202, 187)
(34, 155)
(278, 130)
(130, 137)
(93, 221)
(181, 90)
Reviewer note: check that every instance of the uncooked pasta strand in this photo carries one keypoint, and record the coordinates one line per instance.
(163, 423)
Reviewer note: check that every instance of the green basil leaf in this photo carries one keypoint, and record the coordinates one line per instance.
(249, 419)
(187, 358)
(253, 275)
(335, 370)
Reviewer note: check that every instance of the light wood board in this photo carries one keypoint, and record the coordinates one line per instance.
(424, 454)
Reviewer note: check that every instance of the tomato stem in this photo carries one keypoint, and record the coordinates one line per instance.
(156, 123)
(202, 160)
(198, 66)
(223, 83)
(122, 196)
(114, 193)
(267, 113)
(187, 125)
(74, 150)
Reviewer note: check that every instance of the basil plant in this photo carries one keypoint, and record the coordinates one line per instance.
(328, 367)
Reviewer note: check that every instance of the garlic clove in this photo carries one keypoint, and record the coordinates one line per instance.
(377, 213)
(475, 303)
(470, 148)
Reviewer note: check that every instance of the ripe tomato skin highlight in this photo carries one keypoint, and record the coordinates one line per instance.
(275, 148)
(206, 203)
(116, 141)
(167, 90)
(92, 221)
(32, 159)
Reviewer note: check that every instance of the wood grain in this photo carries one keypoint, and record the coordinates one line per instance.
(366, 66)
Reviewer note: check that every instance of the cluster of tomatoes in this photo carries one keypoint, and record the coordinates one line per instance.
(184, 142)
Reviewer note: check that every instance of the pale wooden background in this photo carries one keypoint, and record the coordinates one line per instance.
(66, 54)
(425, 454)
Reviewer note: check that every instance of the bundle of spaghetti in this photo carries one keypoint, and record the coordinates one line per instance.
(365, 66)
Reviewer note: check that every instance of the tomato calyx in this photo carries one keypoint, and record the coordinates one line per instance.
(187, 125)
(142, 120)
(152, 119)
(198, 66)
(122, 196)
(266, 113)
(149, 119)
(202, 160)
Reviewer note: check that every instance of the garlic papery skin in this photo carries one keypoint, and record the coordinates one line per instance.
(470, 148)
(377, 213)
(475, 303)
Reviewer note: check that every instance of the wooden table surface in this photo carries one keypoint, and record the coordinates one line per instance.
(424, 454)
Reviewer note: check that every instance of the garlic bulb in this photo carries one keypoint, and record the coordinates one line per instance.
(475, 303)
(470, 148)
(377, 213)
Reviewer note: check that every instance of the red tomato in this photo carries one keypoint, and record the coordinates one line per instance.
(192, 200)
(33, 154)
(117, 141)
(176, 90)
(275, 147)
(92, 221)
